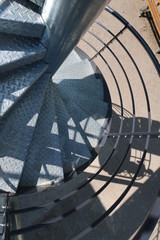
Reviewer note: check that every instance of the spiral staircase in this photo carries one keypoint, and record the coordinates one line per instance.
(60, 133)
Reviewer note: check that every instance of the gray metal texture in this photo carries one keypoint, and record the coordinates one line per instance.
(38, 2)
(88, 86)
(75, 71)
(16, 17)
(73, 58)
(16, 83)
(18, 51)
(43, 164)
(67, 21)
(91, 129)
(16, 130)
(3, 200)
(92, 105)
(74, 150)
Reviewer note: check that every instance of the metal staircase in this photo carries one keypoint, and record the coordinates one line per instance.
(53, 124)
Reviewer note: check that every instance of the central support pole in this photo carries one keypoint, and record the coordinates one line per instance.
(67, 21)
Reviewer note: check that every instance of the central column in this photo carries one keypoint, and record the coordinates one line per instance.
(66, 22)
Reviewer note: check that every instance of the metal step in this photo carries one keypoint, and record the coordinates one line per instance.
(16, 83)
(16, 17)
(92, 130)
(89, 86)
(43, 164)
(74, 150)
(95, 108)
(47, 197)
(18, 51)
(16, 133)
(73, 58)
(75, 71)
(38, 2)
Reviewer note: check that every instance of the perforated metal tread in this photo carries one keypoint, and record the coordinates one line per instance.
(74, 150)
(16, 17)
(43, 164)
(38, 2)
(16, 83)
(18, 51)
(16, 133)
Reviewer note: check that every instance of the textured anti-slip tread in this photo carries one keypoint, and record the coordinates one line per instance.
(16, 17)
(75, 71)
(17, 129)
(18, 51)
(89, 86)
(95, 108)
(74, 150)
(91, 129)
(16, 83)
(38, 2)
(43, 164)
(73, 58)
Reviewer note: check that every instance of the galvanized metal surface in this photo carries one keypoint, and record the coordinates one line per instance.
(67, 22)
(16, 83)
(73, 148)
(82, 87)
(43, 164)
(74, 72)
(91, 129)
(78, 216)
(17, 51)
(16, 133)
(38, 2)
(16, 17)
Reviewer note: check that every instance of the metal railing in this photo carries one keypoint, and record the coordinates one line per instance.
(105, 51)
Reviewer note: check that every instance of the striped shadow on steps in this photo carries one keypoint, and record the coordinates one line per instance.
(18, 51)
(43, 164)
(74, 151)
(20, 18)
(17, 129)
(15, 84)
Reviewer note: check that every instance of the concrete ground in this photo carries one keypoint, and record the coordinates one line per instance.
(130, 214)
(130, 10)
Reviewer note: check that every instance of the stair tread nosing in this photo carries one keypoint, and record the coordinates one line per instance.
(18, 18)
(75, 152)
(16, 132)
(43, 164)
(18, 51)
(16, 83)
